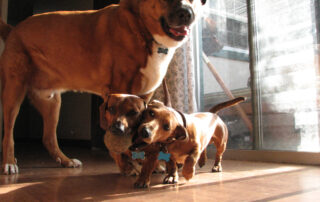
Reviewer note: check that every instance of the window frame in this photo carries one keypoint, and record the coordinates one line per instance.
(257, 153)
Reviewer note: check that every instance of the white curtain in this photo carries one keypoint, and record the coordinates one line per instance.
(181, 80)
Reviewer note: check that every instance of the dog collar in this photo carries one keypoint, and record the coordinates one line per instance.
(141, 155)
(183, 118)
(163, 50)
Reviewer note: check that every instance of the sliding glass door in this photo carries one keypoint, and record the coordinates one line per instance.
(268, 52)
(287, 74)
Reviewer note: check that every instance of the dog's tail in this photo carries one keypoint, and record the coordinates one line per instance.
(4, 30)
(229, 103)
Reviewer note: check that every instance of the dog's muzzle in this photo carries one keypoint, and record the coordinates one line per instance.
(145, 132)
(183, 16)
(177, 24)
(117, 128)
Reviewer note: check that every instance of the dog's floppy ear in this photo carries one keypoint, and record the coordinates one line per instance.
(156, 103)
(102, 110)
(181, 133)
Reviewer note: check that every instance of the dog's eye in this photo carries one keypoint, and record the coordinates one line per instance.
(112, 110)
(151, 113)
(166, 127)
(132, 113)
(203, 2)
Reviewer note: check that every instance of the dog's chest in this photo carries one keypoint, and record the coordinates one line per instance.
(156, 67)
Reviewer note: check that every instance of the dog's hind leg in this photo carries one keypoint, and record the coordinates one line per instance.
(49, 108)
(12, 96)
(221, 145)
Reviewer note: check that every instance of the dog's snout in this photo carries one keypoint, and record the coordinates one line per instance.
(185, 15)
(118, 128)
(145, 132)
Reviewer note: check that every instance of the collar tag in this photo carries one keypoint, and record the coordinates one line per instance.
(164, 156)
(137, 155)
(163, 50)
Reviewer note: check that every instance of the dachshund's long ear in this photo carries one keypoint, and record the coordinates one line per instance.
(156, 103)
(181, 133)
(102, 109)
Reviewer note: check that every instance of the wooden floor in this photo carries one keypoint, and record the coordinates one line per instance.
(40, 179)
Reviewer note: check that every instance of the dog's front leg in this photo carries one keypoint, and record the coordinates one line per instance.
(172, 170)
(148, 166)
(189, 167)
(123, 162)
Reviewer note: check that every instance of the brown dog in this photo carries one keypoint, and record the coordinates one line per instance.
(121, 120)
(186, 137)
(123, 48)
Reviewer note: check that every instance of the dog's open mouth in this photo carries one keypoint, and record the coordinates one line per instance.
(176, 33)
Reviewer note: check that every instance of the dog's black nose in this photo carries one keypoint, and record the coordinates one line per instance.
(185, 15)
(145, 132)
(117, 128)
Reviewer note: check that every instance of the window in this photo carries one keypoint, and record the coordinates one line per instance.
(226, 73)
(280, 78)
(287, 75)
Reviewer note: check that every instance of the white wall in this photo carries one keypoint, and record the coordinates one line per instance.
(234, 73)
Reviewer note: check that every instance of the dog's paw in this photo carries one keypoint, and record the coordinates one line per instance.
(73, 163)
(9, 169)
(171, 179)
(217, 168)
(188, 173)
(141, 184)
(202, 162)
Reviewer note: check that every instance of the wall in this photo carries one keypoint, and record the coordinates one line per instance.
(234, 73)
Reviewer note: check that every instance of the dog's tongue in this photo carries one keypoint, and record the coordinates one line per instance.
(180, 31)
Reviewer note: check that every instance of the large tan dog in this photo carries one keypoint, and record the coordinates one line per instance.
(118, 49)
(185, 137)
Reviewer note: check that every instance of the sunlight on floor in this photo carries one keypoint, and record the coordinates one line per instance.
(4, 189)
